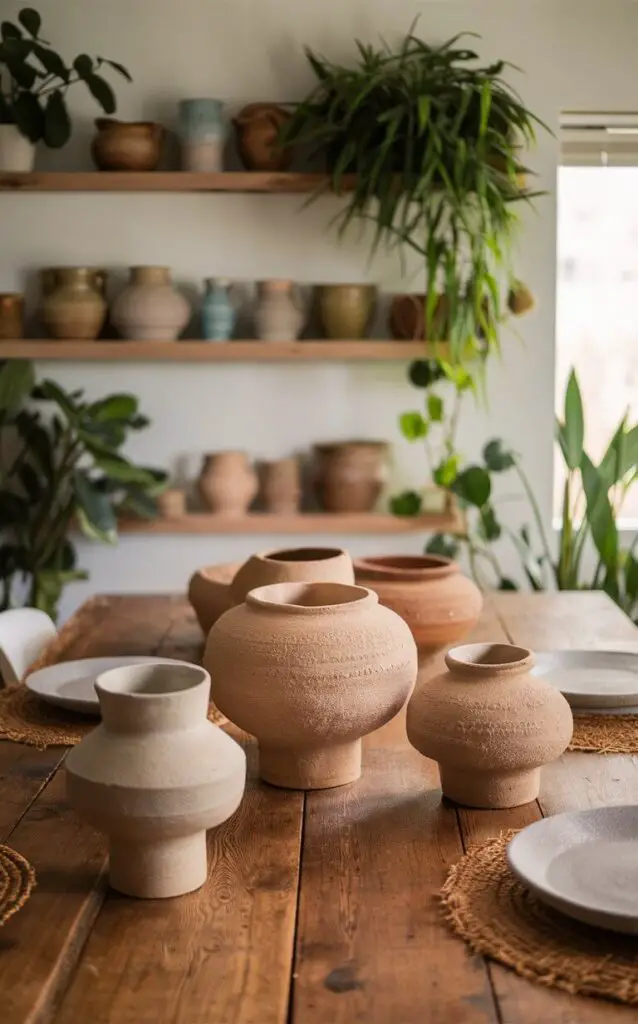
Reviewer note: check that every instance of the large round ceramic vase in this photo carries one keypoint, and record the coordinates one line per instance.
(228, 483)
(439, 603)
(346, 309)
(209, 592)
(74, 308)
(309, 669)
(202, 131)
(490, 724)
(257, 129)
(17, 154)
(279, 315)
(292, 565)
(150, 308)
(154, 776)
(349, 475)
(126, 145)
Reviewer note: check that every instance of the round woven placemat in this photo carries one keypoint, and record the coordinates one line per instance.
(17, 879)
(605, 734)
(499, 918)
(25, 719)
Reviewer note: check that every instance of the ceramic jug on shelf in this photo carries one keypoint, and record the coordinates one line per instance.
(279, 315)
(74, 308)
(219, 314)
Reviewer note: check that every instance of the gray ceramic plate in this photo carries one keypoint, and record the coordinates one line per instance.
(71, 684)
(591, 679)
(583, 863)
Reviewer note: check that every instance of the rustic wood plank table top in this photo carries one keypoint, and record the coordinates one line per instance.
(319, 908)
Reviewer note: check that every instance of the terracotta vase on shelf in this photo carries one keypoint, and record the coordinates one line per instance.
(154, 776)
(439, 603)
(309, 669)
(407, 316)
(489, 724)
(346, 310)
(202, 133)
(127, 145)
(292, 565)
(171, 503)
(11, 315)
(209, 592)
(279, 315)
(257, 128)
(227, 483)
(150, 308)
(73, 308)
(349, 475)
(281, 486)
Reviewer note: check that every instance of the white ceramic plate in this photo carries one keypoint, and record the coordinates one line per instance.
(583, 863)
(591, 679)
(71, 684)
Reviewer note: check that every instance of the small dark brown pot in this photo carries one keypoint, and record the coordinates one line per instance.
(127, 145)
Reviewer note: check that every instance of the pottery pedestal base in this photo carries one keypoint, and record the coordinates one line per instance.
(480, 789)
(310, 769)
(158, 870)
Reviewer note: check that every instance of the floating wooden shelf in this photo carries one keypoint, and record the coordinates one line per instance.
(303, 522)
(165, 181)
(215, 352)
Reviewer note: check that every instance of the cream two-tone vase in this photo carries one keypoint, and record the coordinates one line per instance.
(154, 776)
(309, 669)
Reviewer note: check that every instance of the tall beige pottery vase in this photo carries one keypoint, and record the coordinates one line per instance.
(74, 308)
(150, 308)
(291, 565)
(228, 483)
(310, 668)
(489, 724)
(154, 776)
(279, 315)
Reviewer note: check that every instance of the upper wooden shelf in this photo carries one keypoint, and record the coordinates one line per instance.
(214, 352)
(299, 523)
(165, 181)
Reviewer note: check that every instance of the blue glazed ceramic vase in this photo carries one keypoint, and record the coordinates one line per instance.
(218, 310)
(202, 134)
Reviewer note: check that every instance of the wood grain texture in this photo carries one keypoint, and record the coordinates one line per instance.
(165, 181)
(210, 352)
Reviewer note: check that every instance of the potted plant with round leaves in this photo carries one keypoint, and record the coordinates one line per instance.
(34, 80)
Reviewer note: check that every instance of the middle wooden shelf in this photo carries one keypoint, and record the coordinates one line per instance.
(219, 352)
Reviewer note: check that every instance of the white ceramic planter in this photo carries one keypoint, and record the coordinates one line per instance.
(16, 152)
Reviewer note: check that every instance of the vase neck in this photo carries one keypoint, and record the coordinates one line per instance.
(153, 698)
(150, 275)
(478, 661)
(328, 599)
(80, 277)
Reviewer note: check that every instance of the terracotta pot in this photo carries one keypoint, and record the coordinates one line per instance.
(209, 592)
(279, 315)
(227, 483)
(11, 315)
(349, 475)
(489, 724)
(171, 503)
(17, 154)
(74, 309)
(154, 776)
(310, 668)
(346, 310)
(257, 129)
(150, 308)
(127, 145)
(407, 317)
(292, 565)
(281, 486)
(439, 603)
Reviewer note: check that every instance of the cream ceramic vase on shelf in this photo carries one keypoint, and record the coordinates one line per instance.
(490, 724)
(150, 308)
(279, 315)
(154, 776)
(292, 565)
(309, 669)
(74, 308)
(209, 592)
(228, 483)
(17, 154)
(439, 603)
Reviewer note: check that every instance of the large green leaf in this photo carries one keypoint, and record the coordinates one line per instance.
(435, 408)
(600, 516)
(114, 407)
(408, 503)
(443, 544)
(51, 62)
(413, 426)
(102, 92)
(497, 458)
(49, 391)
(121, 70)
(29, 116)
(30, 20)
(57, 124)
(473, 485)
(16, 381)
(94, 510)
(120, 469)
(573, 427)
(621, 456)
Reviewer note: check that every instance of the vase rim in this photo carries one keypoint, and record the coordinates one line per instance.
(311, 598)
(158, 682)
(361, 442)
(405, 568)
(225, 453)
(300, 554)
(489, 659)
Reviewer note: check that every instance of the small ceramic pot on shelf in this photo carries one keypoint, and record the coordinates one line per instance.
(219, 314)
(127, 145)
(346, 310)
(74, 308)
(202, 135)
(279, 315)
(154, 776)
(150, 308)
(11, 315)
(281, 486)
(17, 153)
(309, 669)
(490, 724)
(171, 503)
(349, 475)
(257, 128)
(292, 565)
(228, 483)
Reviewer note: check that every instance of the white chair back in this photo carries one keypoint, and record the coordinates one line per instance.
(24, 633)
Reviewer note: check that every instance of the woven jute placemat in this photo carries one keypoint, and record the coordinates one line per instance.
(605, 734)
(499, 918)
(17, 879)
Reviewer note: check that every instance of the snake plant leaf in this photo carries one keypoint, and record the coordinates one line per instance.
(573, 427)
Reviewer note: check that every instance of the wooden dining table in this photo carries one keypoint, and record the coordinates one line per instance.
(320, 907)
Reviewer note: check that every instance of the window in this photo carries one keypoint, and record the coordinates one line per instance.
(597, 277)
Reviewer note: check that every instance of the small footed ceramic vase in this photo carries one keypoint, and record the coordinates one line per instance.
(309, 669)
(490, 724)
(292, 565)
(154, 776)
(209, 592)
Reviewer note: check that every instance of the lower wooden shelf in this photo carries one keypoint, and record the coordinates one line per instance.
(224, 352)
(302, 523)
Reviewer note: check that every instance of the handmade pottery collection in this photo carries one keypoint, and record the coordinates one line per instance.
(154, 776)
(309, 669)
(489, 724)
(150, 308)
(127, 145)
(202, 134)
(228, 483)
(349, 475)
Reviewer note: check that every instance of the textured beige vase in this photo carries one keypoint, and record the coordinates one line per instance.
(209, 592)
(227, 483)
(350, 475)
(171, 503)
(279, 315)
(150, 308)
(281, 486)
(292, 565)
(489, 724)
(346, 309)
(74, 308)
(310, 668)
(154, 776)
(439, 603)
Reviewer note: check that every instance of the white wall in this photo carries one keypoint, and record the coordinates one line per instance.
(576, 55)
